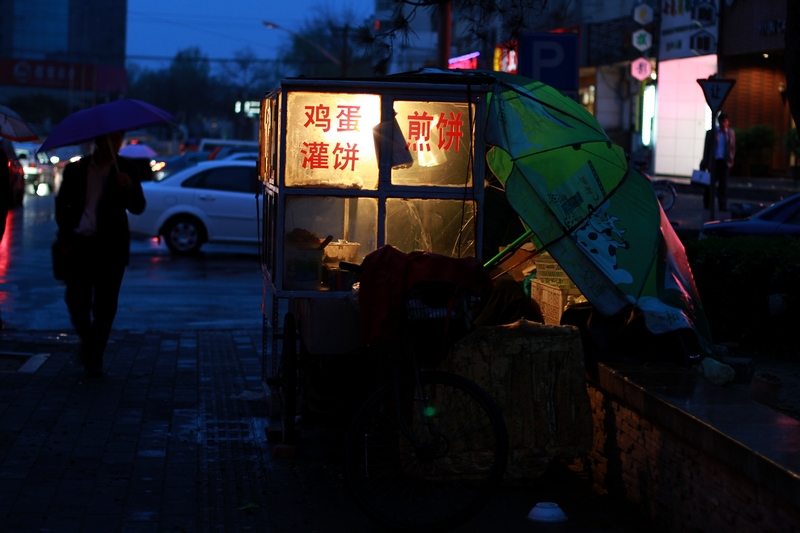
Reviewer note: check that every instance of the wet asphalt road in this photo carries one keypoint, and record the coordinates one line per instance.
(220, 288)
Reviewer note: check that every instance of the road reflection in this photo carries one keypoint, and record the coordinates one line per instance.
(220, 287)
(4, 254)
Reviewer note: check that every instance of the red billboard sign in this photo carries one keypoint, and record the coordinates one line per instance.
(59, 75)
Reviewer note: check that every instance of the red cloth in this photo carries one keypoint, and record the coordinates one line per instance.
(388, 273)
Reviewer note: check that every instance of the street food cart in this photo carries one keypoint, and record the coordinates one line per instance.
(348, 166)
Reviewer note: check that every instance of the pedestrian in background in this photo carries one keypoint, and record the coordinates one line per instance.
(91, 215)
(721, 160)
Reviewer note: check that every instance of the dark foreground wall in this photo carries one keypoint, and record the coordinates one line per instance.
(692, 455)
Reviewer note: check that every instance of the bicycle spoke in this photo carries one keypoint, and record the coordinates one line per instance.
(437, 471)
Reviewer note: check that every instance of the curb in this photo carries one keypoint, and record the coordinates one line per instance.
(758, 190)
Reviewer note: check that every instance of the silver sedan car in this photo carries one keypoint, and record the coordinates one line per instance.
(211, 202)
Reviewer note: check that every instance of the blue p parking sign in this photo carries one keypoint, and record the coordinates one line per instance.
(551, 58)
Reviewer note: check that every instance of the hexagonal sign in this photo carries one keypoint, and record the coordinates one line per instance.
(641, 68)
(643, 14)
(703, 43)
(704, 13)
(642, 40)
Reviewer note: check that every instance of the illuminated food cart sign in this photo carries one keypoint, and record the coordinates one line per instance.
(330, 142)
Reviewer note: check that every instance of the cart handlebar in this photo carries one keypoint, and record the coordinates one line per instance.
(351, 267)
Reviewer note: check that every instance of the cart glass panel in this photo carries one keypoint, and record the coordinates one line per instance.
(330, 141)
(445, 227)
(351, 223)
(437, 136)
(268, 146)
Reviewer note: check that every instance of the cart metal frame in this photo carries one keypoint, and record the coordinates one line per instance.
(272, 172)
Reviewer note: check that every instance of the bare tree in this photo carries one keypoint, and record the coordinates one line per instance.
(514, 16)
(249, 75)
(326, 46)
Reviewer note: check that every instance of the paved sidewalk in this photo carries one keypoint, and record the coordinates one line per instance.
(161, 443)
(170, 440)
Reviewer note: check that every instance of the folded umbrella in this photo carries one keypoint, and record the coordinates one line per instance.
(575, 192)
(119, 115)
(13, 127)
(599, 218)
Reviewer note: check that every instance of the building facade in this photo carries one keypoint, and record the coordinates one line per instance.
(73, 50)
(639, 62)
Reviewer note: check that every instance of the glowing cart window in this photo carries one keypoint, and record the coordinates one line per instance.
(329, 140)
(438, 138)
(320, 232)
(445, 227)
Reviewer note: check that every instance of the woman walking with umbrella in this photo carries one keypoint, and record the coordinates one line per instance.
(91, 215)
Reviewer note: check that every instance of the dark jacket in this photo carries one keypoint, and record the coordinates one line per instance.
(708, 149)
(112, 220)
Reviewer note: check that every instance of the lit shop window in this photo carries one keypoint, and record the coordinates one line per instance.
(587, 95)
(437, 137)
(445, 227)
(351, 224)
(330, 140)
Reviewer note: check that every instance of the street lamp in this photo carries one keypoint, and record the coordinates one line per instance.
(333, 58)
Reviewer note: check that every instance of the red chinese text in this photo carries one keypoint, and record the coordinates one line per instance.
(316, 156)
(450, 131)
(320, 117)
(344, 156)
(348, 117)
(419, 131)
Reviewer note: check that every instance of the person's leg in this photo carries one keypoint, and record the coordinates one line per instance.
(78, 297)
(104, 308)
(706, 197)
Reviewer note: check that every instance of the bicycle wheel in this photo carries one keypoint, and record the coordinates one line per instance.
(665, 194)
(443, 471)
(289, 380)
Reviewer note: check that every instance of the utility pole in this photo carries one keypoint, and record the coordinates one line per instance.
(344, 65)
(445, 20)
(335, 60)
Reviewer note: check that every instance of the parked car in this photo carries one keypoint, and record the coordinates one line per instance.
(16, 174)
(163, 168)
(38, 168)
(241, 156)
(211, 202)
(224, 152)
(782, 218)
(209, 145)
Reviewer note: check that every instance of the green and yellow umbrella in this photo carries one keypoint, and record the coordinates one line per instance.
(598, 218)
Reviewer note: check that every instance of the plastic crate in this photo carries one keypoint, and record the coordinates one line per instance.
(551, 300)
(548, 271)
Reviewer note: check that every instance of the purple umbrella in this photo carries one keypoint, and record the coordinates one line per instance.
(119, 115)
